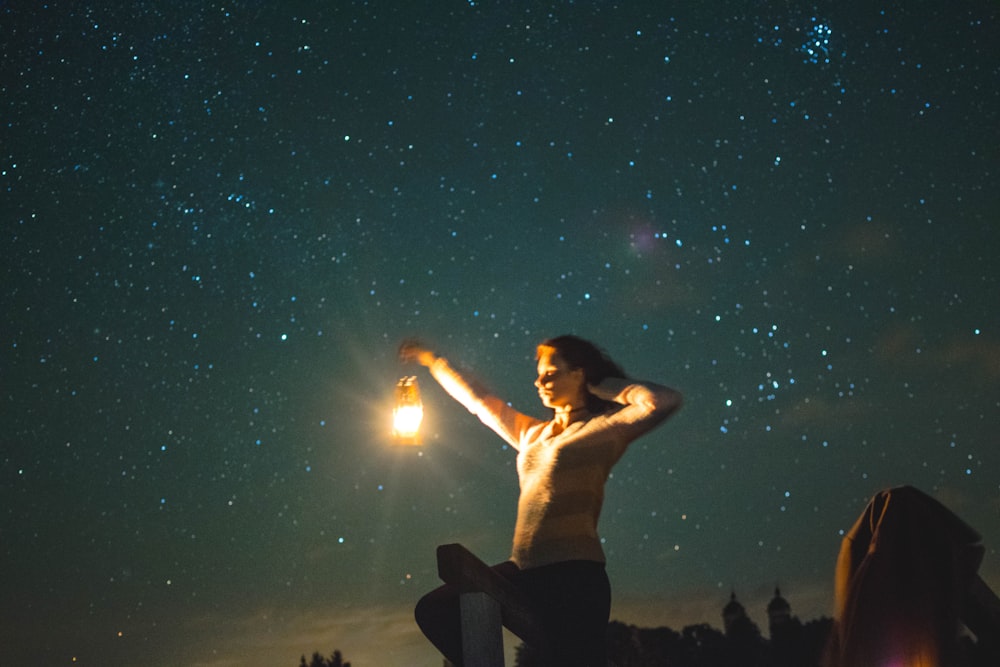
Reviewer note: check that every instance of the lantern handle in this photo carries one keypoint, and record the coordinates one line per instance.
(412, 350)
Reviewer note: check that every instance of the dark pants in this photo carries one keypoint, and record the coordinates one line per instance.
(572, 600)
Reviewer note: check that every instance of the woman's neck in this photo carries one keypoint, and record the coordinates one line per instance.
(565, 415)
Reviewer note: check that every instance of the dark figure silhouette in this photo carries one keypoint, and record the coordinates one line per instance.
(902, 577)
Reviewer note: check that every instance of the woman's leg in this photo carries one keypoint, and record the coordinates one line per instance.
(574, 601)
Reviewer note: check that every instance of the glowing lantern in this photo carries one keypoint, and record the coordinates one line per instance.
(408, 413)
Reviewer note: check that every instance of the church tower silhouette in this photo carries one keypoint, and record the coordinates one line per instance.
(732, 613)
(779, 612)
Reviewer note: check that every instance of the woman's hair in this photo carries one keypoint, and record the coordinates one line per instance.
(596, 365)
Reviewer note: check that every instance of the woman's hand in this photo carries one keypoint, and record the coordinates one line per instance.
(413, 351)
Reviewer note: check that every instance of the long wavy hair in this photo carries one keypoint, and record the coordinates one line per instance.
(596, 365)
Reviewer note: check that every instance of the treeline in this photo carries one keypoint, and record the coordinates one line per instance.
(792, 644)
(797, 645)
(335, 660)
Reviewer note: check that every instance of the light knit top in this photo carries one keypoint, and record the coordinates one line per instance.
(562, 473)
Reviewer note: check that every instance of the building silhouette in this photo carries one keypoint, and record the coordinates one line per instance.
(733, 614)
(779, 612)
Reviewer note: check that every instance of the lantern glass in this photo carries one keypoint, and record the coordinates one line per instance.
(408, 412)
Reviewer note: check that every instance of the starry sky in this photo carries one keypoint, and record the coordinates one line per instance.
(220, 220)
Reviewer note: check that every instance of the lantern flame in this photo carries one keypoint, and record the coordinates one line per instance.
(408, 412)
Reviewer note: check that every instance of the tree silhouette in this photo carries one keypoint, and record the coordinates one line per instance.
(661, 647)
(702, 646)
(744, 644)
(629, 646)
(335, 660)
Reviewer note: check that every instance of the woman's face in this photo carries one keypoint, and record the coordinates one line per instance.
(559, 386)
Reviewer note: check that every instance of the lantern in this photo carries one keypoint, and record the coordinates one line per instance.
(408, 412)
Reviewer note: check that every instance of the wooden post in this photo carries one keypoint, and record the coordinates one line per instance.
(482, 634)
(487, 602)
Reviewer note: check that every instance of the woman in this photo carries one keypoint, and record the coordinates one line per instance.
(562, 465)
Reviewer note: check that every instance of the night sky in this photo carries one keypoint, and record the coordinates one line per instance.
(220, 220)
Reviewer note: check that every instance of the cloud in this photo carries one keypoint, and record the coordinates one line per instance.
(871, 241)
(908, 347)
(813, 410)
